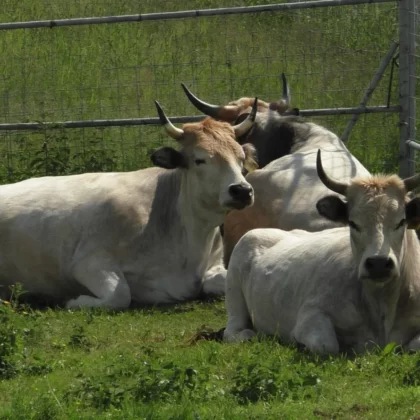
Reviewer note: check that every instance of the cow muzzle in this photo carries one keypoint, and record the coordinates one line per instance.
(242, 195)
(379, 268)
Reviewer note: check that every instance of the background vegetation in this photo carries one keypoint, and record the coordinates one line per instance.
(64, 364)
(117, 71)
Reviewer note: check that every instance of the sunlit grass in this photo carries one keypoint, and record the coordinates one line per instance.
(90, 363)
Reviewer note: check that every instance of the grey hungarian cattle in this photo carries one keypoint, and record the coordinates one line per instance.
(148, 236)
(339, 289)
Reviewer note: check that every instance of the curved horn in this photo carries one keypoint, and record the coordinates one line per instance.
(243, 127)
(338, 187)
(174, 132)
(412, 182)
(286, 90)
(282, 105)
(226, 113)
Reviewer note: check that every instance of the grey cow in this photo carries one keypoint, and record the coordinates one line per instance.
(342, 288)
(149, 236)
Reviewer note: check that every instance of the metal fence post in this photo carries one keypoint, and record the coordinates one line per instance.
(407, 86)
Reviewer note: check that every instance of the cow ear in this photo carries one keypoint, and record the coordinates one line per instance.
(333, 208)
(250, 163)
(168, 158)
(412, 213)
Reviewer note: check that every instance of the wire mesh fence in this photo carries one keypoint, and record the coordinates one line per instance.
(116, 71)
(415, 77)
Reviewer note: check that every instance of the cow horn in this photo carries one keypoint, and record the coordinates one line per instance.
(338, 187)
(282, 105)
(412, 182)
(243, 127)
(286, 91)
(174, 132)
(226, 113)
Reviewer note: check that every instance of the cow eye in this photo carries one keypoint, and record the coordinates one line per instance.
(199, 161)
(401, 224)
(354, 226)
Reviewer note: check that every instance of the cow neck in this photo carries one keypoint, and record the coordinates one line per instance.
(201, 219)
(380, 303)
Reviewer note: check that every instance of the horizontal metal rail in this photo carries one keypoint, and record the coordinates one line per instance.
(413, 144)
(184, 119)
(185, 14)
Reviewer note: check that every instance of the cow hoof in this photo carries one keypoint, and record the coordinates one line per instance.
(83, 302)
(244, 335)
(414, 344)
(73, 304)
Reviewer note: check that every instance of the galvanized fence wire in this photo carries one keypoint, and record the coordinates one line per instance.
(407, 86)
(329, 55)
(415, 78)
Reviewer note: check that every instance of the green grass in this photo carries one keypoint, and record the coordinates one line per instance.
(117, 71)
(63, 364)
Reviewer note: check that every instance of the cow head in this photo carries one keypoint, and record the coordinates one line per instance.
(212, 160)
(378, 212)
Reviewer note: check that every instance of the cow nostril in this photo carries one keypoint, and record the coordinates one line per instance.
(369, 264)
(389, 263)
(241, 191)
(379, 266)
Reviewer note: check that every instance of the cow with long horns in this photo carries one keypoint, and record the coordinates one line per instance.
(149, 236)
(340, 289)
(288, 188)
(270, 134)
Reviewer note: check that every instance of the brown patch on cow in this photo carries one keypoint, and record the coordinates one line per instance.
(280, 106)
(235, 109)
(217, 138)
(379, 183)
(229, 114)
(370, 187)
(250, 163)
(244, 106)
(239, 222)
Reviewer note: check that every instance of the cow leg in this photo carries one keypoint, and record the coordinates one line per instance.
(237, 328)
(214, 281)
(105, 281)
(248, 248)
(239, 320)
(315, 331)
(414, 344)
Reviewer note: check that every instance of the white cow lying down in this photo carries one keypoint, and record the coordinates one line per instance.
(336, 289)
(151, 236)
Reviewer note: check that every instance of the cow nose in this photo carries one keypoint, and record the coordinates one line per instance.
(241, 192)
(379, 267)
